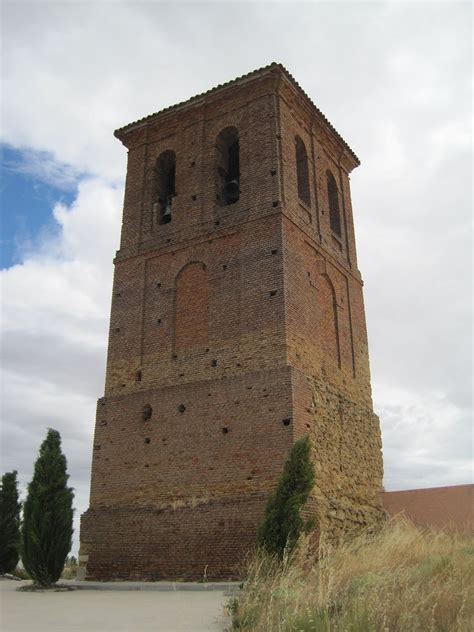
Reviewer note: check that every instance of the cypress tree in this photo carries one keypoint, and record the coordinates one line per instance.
(282, 524)
(9, 523)
(47, 515)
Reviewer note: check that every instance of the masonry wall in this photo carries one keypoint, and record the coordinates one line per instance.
(197, 338)
(240, 272)
(202, 441)
(234, 331)
(448, 508)
(203, 540)
(346, 453)
(326, 331)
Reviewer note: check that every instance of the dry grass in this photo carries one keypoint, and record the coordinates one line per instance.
(69, 572)
(70, 568)
(402, 580)
(20, 573)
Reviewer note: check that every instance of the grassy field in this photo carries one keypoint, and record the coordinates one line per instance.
(402, 580)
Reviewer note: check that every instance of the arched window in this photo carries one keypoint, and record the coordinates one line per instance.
(191, 307)
(165, 174)
(228, 168)
(328, 321)
(302, 172)
(333, 198)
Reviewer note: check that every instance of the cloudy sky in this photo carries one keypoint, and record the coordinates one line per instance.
(394, 79)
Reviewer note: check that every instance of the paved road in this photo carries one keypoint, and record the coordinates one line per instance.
(103, 611)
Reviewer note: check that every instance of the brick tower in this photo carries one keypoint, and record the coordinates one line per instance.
(237, 326)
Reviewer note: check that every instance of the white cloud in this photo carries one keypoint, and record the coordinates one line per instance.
(395, 81)
(55, 325)
(424, 438)
(41, 166)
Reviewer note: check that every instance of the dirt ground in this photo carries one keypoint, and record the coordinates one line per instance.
(101, 611)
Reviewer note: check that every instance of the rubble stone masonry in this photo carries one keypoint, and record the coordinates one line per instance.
(235, 329)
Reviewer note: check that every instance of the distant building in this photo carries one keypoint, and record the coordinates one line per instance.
(237, 326)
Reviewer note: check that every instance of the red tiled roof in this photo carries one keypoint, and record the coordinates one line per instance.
(250, 75)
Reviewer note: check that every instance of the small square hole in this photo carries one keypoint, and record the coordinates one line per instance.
(147, 440)
(273, 292)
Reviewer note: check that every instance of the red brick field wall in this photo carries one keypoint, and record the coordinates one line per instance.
(439, 507)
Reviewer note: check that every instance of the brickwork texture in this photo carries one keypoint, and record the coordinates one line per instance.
(448, 508)
(236, 328)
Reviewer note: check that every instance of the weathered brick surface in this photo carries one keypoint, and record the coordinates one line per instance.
(234, 331)
(447, 508)
(213, 448)
(205, 539)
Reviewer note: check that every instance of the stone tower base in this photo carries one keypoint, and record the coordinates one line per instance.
(207, 541)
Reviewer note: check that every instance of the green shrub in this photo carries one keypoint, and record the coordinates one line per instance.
(47, 517)
(9, 523)
(283, 524)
